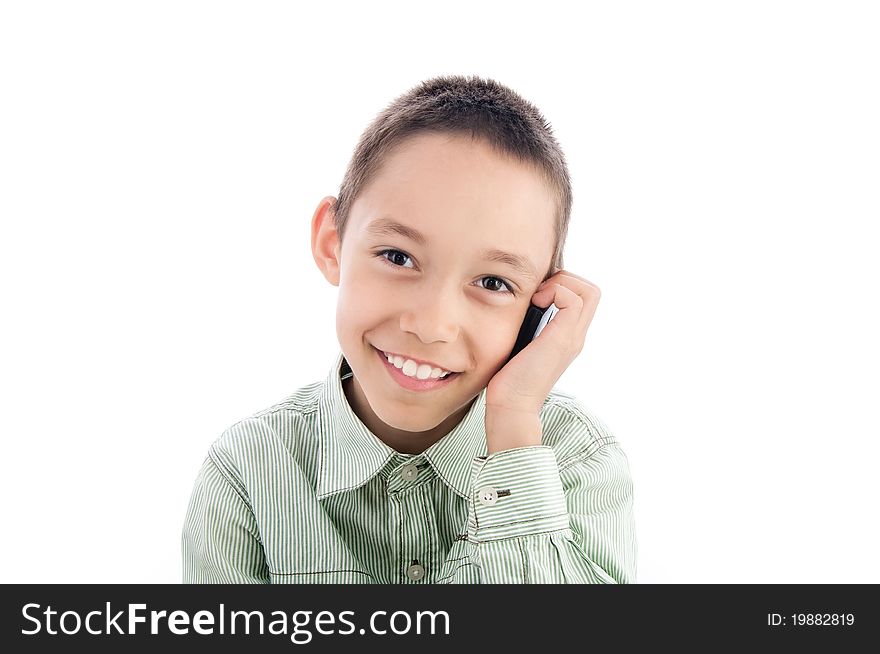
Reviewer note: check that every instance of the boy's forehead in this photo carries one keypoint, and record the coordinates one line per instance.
(444, 148)
(439, 177)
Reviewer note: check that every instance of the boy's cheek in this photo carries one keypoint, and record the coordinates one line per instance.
(360, 282)
(360, 301)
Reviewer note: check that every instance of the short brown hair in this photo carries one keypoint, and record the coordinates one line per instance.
(455, 104)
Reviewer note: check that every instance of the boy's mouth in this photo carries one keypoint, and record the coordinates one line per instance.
(413, 383)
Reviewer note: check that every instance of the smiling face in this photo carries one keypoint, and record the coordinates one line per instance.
(436, 287)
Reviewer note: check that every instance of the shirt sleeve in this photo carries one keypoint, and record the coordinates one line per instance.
(221, 542)
(530, 521)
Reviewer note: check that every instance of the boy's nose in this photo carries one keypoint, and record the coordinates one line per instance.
(433, 319)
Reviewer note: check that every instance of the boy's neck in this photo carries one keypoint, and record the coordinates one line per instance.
(405, 442)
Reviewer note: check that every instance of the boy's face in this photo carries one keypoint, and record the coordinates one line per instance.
(442, 300)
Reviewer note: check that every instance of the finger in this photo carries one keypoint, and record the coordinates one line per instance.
(568, 273)
(582, 282)
(588, 293)
(565, 329)
(571, 280)
(563, 297)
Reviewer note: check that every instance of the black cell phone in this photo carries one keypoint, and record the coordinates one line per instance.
(536, 319)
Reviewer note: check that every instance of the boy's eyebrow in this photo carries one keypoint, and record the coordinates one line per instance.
(387, 226)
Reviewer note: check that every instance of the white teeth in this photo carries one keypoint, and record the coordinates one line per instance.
(412, 369)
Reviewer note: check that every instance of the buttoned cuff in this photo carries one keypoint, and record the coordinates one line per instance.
(516, 492)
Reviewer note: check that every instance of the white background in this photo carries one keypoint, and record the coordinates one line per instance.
(160, 163)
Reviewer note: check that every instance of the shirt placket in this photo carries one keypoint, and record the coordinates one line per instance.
(402, 487)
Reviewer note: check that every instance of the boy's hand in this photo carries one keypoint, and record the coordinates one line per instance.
(516, 393)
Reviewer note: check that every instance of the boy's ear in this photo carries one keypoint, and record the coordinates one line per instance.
(326, 247)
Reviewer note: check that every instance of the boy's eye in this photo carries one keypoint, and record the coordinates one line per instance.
(500, 282)
(396, 258)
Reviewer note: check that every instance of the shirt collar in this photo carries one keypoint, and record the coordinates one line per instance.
(351, 454)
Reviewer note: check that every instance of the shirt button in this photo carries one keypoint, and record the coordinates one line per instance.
(409, 472)
(416, 571)
(488, 496)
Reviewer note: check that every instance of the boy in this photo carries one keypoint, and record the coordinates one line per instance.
(425, 456)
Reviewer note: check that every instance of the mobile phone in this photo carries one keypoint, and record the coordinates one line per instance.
(536, 319)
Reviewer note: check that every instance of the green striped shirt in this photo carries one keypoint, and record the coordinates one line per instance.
(303, 492)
